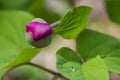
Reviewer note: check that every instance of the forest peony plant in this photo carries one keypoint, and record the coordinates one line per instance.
(95, 57)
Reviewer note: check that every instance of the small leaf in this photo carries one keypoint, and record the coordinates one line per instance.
(113, 63)
(73, 22)
(91, 43)
(95, 69)
(68, 64)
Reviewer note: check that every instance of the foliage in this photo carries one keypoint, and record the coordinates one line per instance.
(69, 65)
(73, 22)
(96, 56)
(100, 44)
(14, 48)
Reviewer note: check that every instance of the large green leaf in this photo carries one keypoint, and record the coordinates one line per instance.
(113, 10)
(68, 64)
(12, 39)
(73, 22)
(1, 73)
(95, 69)
(91, 43)
(25, 56)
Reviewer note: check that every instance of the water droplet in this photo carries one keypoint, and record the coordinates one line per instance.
(72, 69)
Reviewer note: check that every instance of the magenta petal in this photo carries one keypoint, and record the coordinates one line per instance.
(39, 30)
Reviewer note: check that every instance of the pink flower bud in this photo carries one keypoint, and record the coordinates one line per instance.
(38, 33)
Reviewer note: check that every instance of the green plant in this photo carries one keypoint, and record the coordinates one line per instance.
(96, 56)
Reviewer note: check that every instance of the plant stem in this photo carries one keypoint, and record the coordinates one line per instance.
(54, 24)
(45, 69)
(56, 75)
(40, 67)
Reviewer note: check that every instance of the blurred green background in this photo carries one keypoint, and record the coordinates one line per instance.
(50, 10)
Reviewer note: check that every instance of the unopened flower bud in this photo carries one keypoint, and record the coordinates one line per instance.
(38, 33)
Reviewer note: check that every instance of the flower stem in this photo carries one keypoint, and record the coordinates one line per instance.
(54, 24)
(45, 69)
(56, 75)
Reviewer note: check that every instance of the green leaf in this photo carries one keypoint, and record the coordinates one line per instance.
(91, 43)
(113, 63)
(68, 64)
(73, 22)
(3, 71)
(25, 56)
(21, 58)
(113, 10)
(12, 39)
(95, 69)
